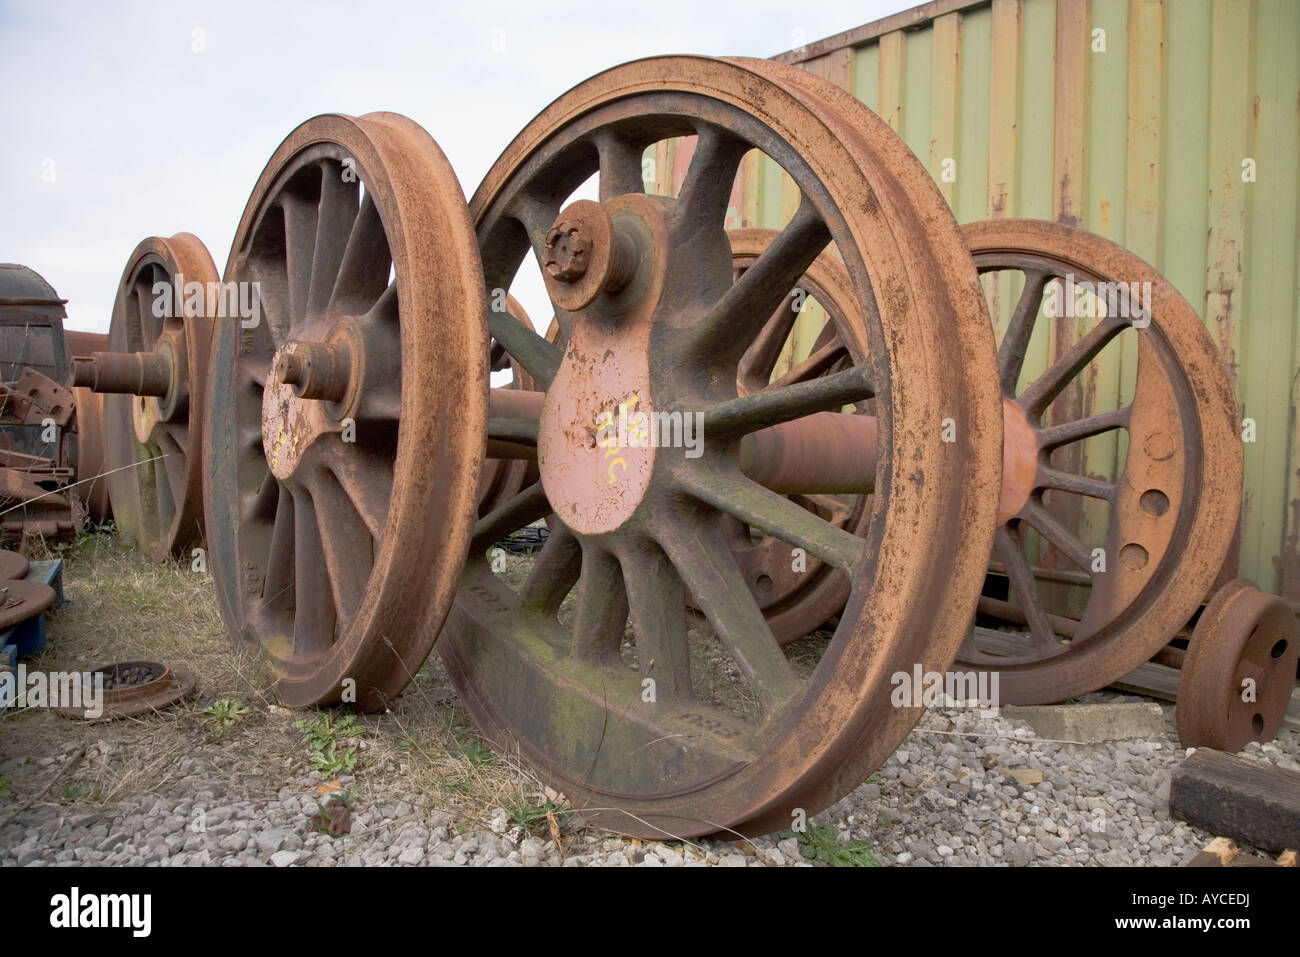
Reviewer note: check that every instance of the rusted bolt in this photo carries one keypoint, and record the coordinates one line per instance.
(568, 250)
(585, 256)
(316, 370)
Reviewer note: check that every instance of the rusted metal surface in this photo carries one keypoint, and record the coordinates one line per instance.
(1172, 502)
(637, 527)
(152, 381)
(345, 433)
(32, 507)
(163, 687)
(13, 565)
(91, 481)
(509, 467)
(20, 600)
(1239, 670)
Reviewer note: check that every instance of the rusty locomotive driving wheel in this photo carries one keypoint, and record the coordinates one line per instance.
(346, 430)
(587, 664)
(153, 377)
(1167, 503)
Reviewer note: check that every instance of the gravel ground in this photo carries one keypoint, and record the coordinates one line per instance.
(966, 788)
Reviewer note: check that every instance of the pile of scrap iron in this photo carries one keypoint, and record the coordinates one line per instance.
(51, 453)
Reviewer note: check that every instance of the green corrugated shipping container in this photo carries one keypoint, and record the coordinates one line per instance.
(1169, 126)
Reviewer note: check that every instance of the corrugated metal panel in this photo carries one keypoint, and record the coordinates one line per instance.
(1132, 119)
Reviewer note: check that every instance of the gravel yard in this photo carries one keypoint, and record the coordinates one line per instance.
(226, 777)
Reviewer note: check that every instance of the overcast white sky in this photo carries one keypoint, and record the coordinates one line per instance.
(143, 135)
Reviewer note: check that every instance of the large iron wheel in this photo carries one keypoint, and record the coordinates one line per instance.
(154, 379)
(1173, 497)
(644, 293)
(345, 439)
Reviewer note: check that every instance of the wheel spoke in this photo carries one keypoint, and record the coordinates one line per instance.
(1021, 579)
(363, 272)
(1078, 484)
(735, 319)
(299, 251)
(656, 603)
(620, 165)
(706, 189)
(815, 365)
(1050, 384)
(775, 515)
(558, 567)
(539, 358)
(1054, 436)
(709, 570)
(520, 431)
(1011, 353)
(523, 509)
(345, 543)
(335, 216)
(600, 618)
(367, 483)
(277, 585)
(1046, 524)
(756, 365)
(749, 413)
(313, 604)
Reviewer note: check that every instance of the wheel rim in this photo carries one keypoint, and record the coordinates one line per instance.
(372, 531)
(1189, 461)
(154, 465)
(687, 767)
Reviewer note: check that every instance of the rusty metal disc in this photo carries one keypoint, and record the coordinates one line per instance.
(1129, 533)
(20, 600)
(556, 666)
(162, 687)
(13, 565)
(346, 429)
(150, 441)
(1239, 671)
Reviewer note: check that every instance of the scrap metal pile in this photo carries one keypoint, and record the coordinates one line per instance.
(342, 453)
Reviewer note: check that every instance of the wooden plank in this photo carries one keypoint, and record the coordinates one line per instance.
(1254, 802)
(1161, 681)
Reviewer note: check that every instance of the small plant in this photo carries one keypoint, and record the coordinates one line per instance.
(328, 740)
(530, 816)
(475, 752)
(75, 791)
(220, 716)
(334, 815)
(408, 744)
(4, 786)
(822, 843)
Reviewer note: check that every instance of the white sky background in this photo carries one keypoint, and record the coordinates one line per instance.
(148, 137)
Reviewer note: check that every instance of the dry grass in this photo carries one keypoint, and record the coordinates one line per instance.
(122, 607)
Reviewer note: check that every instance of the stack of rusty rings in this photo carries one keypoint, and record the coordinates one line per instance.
(357, 465)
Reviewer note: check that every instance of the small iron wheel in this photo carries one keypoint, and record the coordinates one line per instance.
(345, 440)
(1239, 671)
(153, 380)
(623, 720)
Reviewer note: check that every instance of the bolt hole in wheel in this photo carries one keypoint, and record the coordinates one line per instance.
(587, 663)
(344, 443)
